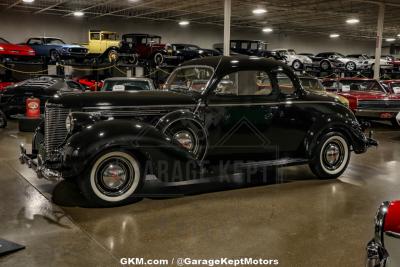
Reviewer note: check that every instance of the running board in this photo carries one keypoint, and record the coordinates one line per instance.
(270, 163)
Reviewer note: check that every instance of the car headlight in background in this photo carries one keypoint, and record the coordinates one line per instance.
(1, 48)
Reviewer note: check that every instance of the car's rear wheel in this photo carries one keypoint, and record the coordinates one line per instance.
(54, 56)
(112, 179)
(112, 56)
(332, 155)
(325, 65)
(297, 65)
(158, 59)
(3, 120)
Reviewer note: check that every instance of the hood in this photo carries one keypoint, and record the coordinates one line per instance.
(369, 95)
(72, 46)
(123, 99)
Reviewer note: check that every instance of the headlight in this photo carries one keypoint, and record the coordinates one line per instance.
(69, 123)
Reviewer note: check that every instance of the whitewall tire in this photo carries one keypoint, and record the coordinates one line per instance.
(331, 157)
(113, 179)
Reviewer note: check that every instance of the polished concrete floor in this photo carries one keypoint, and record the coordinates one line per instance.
(301, 222)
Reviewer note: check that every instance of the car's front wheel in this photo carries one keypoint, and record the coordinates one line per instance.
(112, 56)
(54, 56)
(112, 179)
(351, 66)
(325, 65)
(158, 59)
(331, 157)
(297, 65)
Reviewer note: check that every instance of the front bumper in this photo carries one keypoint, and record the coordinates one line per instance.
(35, 162)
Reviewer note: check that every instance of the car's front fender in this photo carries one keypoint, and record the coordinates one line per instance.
(159, 155)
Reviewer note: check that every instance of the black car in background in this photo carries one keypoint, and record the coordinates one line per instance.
(190, 51)
(251, 48)
(13, 98)
(232, 111)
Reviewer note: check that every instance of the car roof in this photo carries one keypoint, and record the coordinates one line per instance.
(224, 65)
(142, 34)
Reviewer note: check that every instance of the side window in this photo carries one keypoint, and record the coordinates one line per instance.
(285, 84)
(95, 36)
(35, 41)
(244, 45)
(245, 83)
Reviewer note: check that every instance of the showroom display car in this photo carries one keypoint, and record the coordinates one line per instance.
(230, 110)
(13, 98)
(391, 86)
(335, 61)
(296, 61)
(127, 84)
(190, 51)
(383, 249)
(106, 46)
(369, 62)
(315, 86)
(251, 48)
(55, 49)
(3, 85)
(15, 52)
(367, 98)
(149, 48)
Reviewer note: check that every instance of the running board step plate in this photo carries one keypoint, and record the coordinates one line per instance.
(270, 163)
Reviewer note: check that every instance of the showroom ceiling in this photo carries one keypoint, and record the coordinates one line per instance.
(303, 16)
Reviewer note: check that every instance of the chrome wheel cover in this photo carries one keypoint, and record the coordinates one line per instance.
(334, 155)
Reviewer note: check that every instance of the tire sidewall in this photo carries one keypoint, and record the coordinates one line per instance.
(317, 165)
(95, 196)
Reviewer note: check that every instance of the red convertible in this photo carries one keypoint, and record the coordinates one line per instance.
(91, 85)
(368, 98)
(14, 51)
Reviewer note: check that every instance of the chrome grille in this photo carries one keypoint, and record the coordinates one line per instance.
(379, 104)
(55, 131)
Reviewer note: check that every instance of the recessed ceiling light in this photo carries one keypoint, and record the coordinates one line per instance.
(390, 39)
(133, 1)
(78, 13)
(267, 30)
(28, 1)
(398, 35)
(352, 21)
(259, 11)
(184, 22)
(334, 35)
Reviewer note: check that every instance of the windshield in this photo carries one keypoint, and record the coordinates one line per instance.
(193, 78)
(311, 84)
(155, 40)
(54, 41)
(128, 85)
(358, 85)
(2, 41)
(291, 52)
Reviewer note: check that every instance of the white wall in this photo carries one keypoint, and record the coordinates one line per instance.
(17, 27)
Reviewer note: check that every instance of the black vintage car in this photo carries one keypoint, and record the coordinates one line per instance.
(251, 48)
(190, 51)
(13, 98)
(217, 116)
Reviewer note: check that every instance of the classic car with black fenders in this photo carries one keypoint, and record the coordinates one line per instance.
(383, 249)
(216, 116)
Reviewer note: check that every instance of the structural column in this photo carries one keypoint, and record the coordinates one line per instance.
(227, 27)
(379, 33)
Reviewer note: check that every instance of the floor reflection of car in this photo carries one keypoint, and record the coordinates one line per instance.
(314, 85)
(127, 84)
(367, 98)
(383, 249)
(109, 142)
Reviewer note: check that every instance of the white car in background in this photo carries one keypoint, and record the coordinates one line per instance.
(297, 62)
(370, 61)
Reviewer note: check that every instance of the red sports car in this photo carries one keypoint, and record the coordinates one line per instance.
(367, 98)
(4, 85)
(14, 51)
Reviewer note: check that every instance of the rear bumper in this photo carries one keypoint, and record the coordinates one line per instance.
(384, 114)
(376, 255)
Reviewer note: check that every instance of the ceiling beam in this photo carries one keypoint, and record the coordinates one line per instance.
(51, 7)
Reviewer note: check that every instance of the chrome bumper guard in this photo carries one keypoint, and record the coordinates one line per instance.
(34, 162)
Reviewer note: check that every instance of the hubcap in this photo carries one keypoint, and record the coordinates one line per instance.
(185, 139)
(114, 176)
(350, 66)
(333, 155)
(296, 65)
